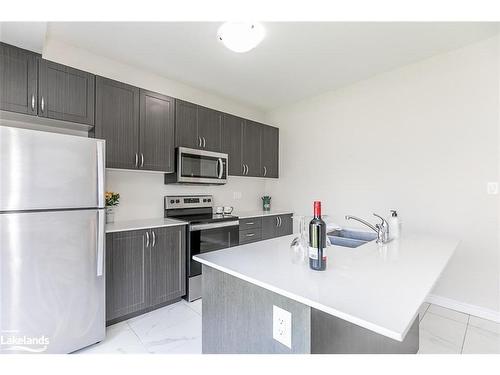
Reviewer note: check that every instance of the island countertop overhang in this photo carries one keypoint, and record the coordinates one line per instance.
(377, 287)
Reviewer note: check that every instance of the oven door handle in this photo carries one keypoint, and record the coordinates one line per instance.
(221, 168)
(197, 227)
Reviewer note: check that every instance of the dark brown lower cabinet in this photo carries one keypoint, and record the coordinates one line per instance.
(145, 269)
(168, 265)
(276, 226)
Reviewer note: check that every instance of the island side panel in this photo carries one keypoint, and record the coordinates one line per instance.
(331, 335)
(238, 317)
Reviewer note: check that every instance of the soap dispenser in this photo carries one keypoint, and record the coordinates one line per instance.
(394, 225)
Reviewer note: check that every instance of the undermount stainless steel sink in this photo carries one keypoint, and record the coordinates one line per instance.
(350, 238)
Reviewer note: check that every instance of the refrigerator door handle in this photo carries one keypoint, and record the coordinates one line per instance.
(100, 242)
(100, 174)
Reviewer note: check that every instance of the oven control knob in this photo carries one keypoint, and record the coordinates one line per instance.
(172, 201)
(177, 201)
(204, 200)
(209, 200)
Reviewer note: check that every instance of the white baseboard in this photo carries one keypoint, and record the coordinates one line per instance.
(466, 308)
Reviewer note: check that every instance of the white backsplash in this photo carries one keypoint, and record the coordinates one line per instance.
(141, 193)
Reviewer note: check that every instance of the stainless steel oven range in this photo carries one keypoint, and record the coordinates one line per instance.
(207, 232)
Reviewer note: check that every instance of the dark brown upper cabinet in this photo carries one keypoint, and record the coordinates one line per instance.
(117, 121)
(34, 86)
(65, 93)
(209, 128)
(156, 125)
(18, 80)
(269, 151)
(197, 127)
(138, 126)
(232, 133)
(251, 149)
(186, 125)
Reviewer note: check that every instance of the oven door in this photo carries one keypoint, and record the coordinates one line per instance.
(210, 237)
(199, 166)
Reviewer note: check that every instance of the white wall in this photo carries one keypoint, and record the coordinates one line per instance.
(422, 139)
(142, 192)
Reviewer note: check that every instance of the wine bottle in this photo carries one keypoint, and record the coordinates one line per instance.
(317, 240)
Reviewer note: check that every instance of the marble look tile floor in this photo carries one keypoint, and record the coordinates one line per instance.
(176, 329)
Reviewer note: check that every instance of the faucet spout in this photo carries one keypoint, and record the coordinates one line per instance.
(372, 227)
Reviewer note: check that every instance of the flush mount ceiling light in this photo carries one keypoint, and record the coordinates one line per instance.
(240, 36)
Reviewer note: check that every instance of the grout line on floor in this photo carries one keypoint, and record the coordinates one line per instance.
(465, 334)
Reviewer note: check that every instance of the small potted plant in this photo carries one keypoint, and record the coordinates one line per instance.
(266, 203)
(112, 200)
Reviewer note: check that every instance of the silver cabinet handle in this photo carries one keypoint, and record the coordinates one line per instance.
(246, 169)
(33, 102)
(147, 239)
(142, 159)
(136, 160)
(277, 222)
(279, 218)
(243, 169)
(252, 223)
(250, 234)
(42, 105)
(204, 142)
(199, 141)
(154, 238)
(265, 171)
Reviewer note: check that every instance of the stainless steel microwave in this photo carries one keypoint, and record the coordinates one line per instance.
(198, 167)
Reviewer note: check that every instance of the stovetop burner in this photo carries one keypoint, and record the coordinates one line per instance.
(194, 209)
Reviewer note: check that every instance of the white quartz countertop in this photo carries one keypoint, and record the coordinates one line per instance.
(260, 213)
(122, 226)
(376, 287)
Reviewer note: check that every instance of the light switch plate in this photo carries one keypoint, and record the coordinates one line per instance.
(282, 326)
(492, 188)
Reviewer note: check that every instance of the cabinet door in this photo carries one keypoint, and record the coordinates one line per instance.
(186, 125)
(232, 132)
(269, 141)
(117, 121)
(251, 148)
(168, 264)
(156, 132)
(127, 273)
(65, 93)
(209, 128)
(18, 80)
(285, 225)
(269, 227)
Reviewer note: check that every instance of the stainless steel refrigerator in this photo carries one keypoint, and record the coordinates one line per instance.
(51, 241)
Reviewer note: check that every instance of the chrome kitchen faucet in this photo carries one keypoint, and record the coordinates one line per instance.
(381, 229)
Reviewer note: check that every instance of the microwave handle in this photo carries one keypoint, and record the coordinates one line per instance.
(221, 168)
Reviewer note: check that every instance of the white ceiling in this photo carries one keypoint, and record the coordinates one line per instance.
(295, 60)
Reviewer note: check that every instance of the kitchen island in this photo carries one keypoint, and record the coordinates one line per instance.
(366, 301)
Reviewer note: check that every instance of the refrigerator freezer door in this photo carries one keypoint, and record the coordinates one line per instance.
(41, 170)
(52, 281)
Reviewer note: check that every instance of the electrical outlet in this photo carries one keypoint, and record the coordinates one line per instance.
(282, 326)
(492, 188)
